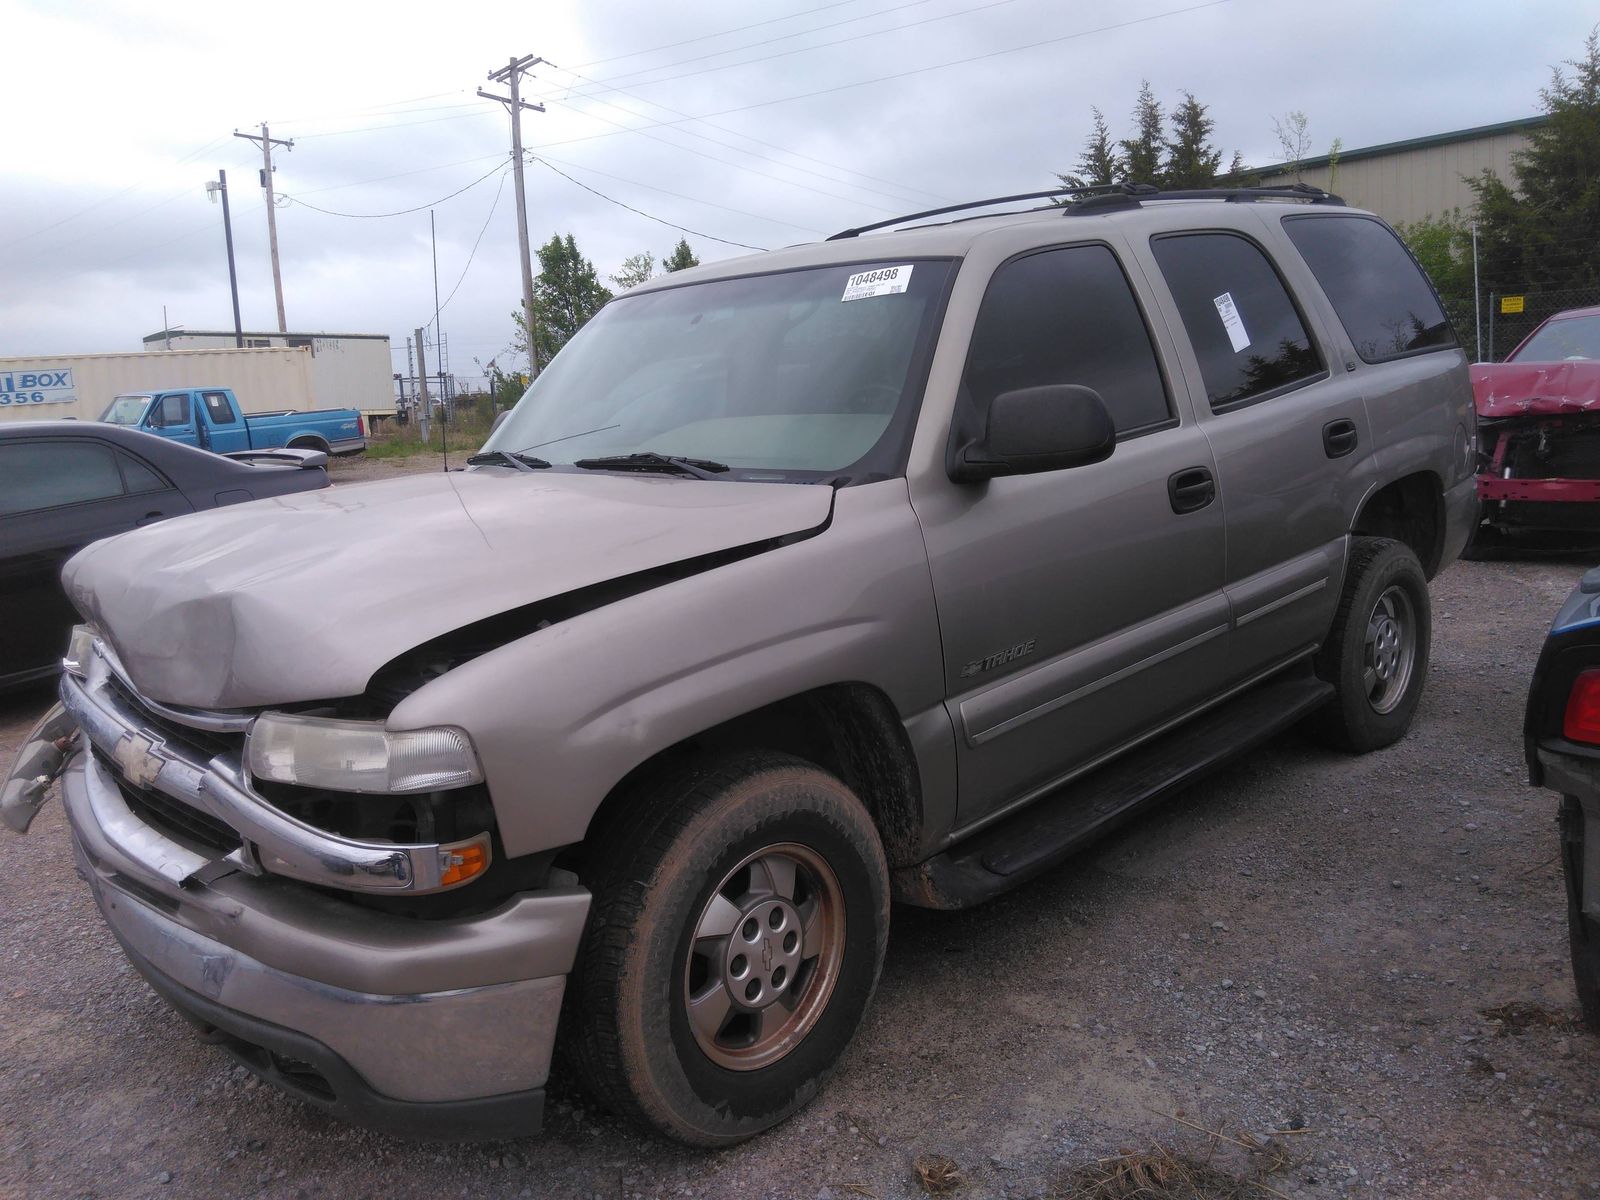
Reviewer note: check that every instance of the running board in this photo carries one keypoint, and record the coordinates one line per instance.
(1055, 826)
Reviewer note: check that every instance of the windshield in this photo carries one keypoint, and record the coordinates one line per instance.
(1572, 337)
(785, 376)
(126, 410)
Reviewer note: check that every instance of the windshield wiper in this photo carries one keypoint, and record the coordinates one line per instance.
(649, 460)
(506, 458)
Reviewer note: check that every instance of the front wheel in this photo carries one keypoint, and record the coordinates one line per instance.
(740, 916)
(1376, 654)
(1583, 930)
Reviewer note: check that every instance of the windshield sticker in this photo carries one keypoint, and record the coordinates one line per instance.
(1229, 312)
(883, 281)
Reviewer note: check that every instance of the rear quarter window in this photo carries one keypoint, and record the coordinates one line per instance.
(1384, 301)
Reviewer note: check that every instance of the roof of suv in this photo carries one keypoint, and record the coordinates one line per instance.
(946, 233)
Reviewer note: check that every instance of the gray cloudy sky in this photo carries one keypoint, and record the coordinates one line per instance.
(116, 114)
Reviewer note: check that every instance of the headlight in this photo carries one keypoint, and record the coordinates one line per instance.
(359, 756)
(79, 650)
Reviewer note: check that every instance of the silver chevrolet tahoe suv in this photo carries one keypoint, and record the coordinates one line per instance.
(894, 567)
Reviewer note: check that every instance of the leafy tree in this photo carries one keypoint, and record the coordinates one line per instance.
(1142, 152)
(1192, 160)
(680, 258)
(566, 294)
(635, 269)
(1538, 232)
(1294, 138)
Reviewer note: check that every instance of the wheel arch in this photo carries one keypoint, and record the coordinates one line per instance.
(850, 730)
(308, 441)
(1411, 510)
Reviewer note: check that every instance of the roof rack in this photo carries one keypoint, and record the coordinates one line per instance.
(1112, 197)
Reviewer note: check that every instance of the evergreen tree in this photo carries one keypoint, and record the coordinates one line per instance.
(1142, 152)
(566, 294)
(680, 257)
(1099, 164)
(1192, 160)
(1538, 232)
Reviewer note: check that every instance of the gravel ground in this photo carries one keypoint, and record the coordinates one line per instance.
(1306, 941)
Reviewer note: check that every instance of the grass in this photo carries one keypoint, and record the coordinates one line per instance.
(465, 436)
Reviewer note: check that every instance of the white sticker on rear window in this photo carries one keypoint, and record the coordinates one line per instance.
(1229, 312)
(880, 281)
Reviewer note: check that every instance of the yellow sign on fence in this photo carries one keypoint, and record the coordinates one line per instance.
(1511, 304)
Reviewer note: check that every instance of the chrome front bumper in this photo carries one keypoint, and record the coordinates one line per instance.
(429, 1013)
(274, 841)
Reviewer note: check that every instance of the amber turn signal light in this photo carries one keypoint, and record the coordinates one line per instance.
(462, 861)
(1582, 720)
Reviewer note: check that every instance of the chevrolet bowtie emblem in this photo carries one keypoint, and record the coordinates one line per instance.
(136, 755)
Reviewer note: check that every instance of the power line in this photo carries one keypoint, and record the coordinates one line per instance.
(955, 62)
(402, 124)
(632, 112)
(474, 252)
(680, 195)
(460, 162)
(705, 37)
(659, 220)
(404, 211)
(784, 37)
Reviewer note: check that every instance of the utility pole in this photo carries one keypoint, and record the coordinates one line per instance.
(511, 76)
(422, 386)
(267, 142)
(220, 187)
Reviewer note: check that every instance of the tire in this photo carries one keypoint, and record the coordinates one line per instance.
(750, 843)
(1583, 931)
(1376, 653)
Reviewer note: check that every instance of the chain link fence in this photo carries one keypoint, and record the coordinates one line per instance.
(1512, 316)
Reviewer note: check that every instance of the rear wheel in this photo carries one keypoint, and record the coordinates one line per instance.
(1376, 654)
(740, 915)
(1583, 931)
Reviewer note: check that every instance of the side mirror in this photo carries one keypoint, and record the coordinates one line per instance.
(1038, 429)
(499, 420)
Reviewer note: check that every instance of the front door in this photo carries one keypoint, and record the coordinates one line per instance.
(172, 416)
(1080, 608)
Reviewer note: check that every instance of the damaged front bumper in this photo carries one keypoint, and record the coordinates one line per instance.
(1541, 473)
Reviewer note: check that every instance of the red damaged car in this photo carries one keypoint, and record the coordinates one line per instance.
(1539, 435)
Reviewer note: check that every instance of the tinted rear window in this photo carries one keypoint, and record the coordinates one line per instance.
(1385, 302)
(1241, 321)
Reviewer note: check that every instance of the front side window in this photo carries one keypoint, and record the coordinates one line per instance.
(171, 412)
(1383, 299)
(1067, 316)
(793, 375)
(1240, 319)
(40, 475)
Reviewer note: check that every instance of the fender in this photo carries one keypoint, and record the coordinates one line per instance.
(561, 715)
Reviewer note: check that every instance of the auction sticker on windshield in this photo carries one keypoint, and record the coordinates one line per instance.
(880, 281)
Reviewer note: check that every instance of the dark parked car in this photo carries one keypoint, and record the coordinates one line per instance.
(1563, 741)
(65, 484)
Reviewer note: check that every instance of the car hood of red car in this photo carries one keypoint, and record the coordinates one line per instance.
(1518, 389)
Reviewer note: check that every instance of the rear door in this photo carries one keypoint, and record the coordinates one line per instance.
(226, 429)
(57, 496)
(1079, 609)
(1289, 431)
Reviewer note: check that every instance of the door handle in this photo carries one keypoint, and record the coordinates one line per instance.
(1339, 437)
(1191, 489)
(150, 518)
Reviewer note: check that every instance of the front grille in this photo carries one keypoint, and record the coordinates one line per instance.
(199, 831)
(204, 743)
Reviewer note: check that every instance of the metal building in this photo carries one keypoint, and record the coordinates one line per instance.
(1420, 177)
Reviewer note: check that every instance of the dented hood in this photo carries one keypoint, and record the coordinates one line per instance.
(304, 597)
(1517, 389)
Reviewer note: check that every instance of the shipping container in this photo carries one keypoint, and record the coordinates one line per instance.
(54, 387)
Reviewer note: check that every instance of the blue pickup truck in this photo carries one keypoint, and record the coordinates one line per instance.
(211, 419)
